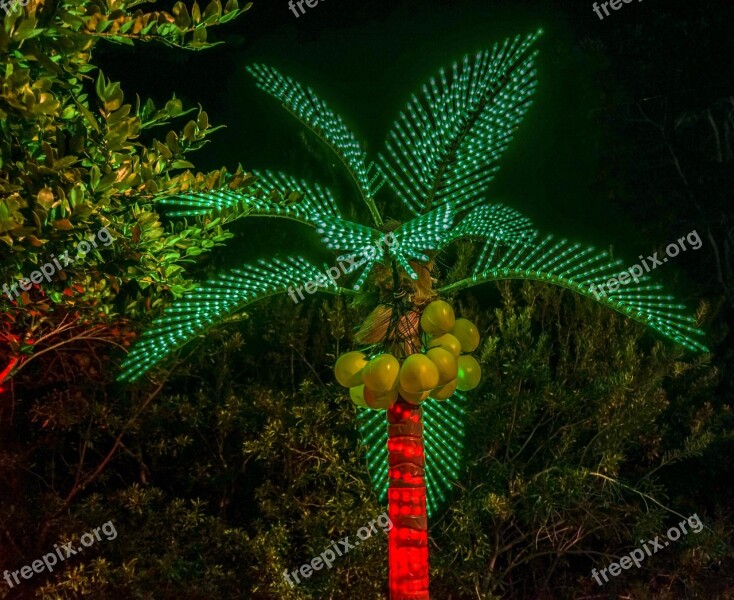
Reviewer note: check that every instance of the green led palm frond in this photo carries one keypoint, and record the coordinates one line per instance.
(315, 114)
(443, 433)
(361, 246)
(582, 270)
(410, 241)
(429, 232)
(372, 426)
(212, 303)
(314, 200)
(275, 195)
(197, 204)
(445, 145)
(443, 438)
(494, 222)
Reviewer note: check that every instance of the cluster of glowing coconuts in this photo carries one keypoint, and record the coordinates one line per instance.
(442, 368)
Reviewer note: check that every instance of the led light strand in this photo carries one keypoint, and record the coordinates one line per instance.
(444, 146)
(586, 272)
(212, 302)
(316, 114)
(315, 203)
(496, 222)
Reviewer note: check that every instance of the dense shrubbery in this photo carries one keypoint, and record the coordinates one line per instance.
(228, 478)
(75, 157)
(584, 435)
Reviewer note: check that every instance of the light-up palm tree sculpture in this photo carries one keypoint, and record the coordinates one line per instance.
(440, 157)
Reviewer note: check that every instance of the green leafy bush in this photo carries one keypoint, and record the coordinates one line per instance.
(77, 154)
(248, 463)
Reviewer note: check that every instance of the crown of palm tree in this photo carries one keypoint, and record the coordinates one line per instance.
(439, 160)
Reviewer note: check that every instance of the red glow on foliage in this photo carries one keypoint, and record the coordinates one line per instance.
(7, 370)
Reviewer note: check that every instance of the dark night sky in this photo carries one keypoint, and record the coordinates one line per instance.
(366, 58)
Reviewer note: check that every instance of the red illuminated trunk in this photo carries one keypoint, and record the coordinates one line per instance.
(408, 538)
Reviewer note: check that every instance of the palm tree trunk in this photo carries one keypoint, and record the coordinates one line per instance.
(408, 538)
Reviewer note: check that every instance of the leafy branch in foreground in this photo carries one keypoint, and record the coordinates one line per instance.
(75, 156)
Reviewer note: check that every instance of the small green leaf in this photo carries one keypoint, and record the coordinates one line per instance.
(123, 112)
(189, 131)
(212, 11)
(94, 177)
(127, 26)
(100, 86)
(196, 13)
(200, 35)
(172, 142)
(26, 30)
(174, 106)
(181, 14)
(225, 18)
(182, 164)
(113, 96)
(76, 197)
(164, 150)
(119, 39)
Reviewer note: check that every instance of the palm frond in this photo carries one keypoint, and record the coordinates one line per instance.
(494, 222)
(443, 438)
(408, 242)
(429, 232)
(274, 194)
(581, 270)
(361, 246)
(212, 303)
(444, 147)
(315, 114)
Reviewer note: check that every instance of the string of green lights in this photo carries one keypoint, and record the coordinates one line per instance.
(577, 268)
(271, 196)
(413, 239)
(494, 222)
(315, 114)
(444, 147)
(212, 303)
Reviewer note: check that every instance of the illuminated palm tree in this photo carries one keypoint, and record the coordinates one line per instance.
(440, 158)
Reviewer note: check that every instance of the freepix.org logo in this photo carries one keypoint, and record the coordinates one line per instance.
(327, 557)
(333, 273)
(12, 5)
(47, 561)
(637, 555)
(49, 269)
(299, 3)
(635, 272)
